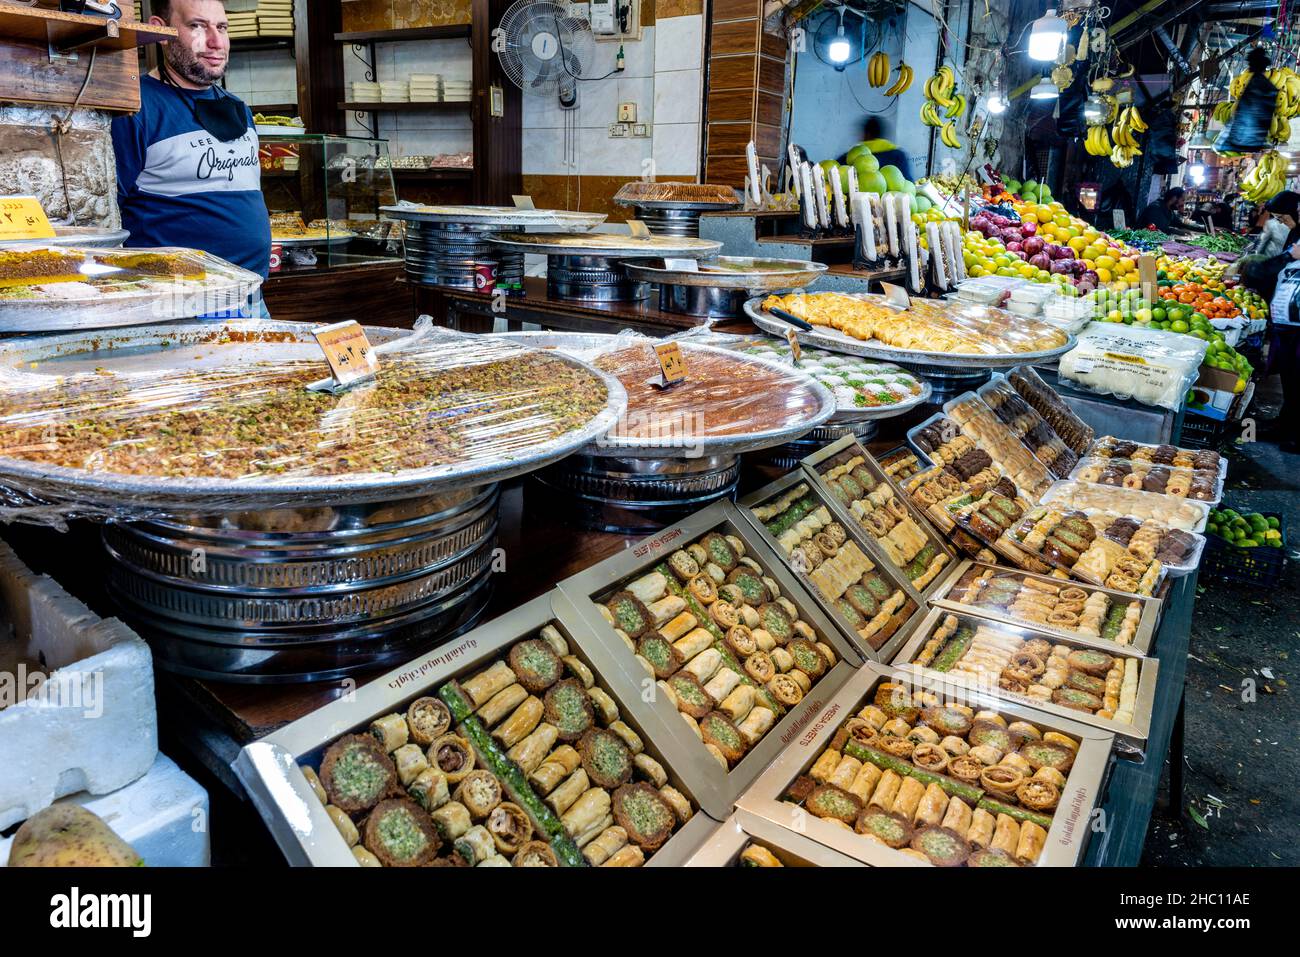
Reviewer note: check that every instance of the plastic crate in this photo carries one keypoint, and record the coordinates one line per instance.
(1202, 433)
(1250, 566)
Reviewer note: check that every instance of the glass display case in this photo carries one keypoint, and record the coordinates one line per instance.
(324, 194)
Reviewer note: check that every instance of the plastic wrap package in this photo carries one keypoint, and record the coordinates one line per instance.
(1172, 481)
(212, 419)
(54, 288)
(1072, 430)
(986, 290)
(1108, 446)
(1169, 512)
(970, 441)
(863, 388)
(1131, 363)
(1026, 424)
(947, 332)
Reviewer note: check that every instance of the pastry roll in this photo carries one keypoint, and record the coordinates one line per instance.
(485, 684)
(981, 828)
(496, 860)
(390, 731)
(739, 702)
(757, 723)
(693, 642)
(824, 766)
(532, 750)
(678, 627)
(677, 801)
(430, 789)
(410, 762)
(716, 754)
(344, 823)
(586, 811)
(606, 709)
(703, 665)
(476, 845)
(559, 764)
(452, 820)
(551, 635)
(908, 798)
(650, 769)
(480, 792)
(1030, 844)
(845, 772)
(722, 683)
(365, 858)
(958, 816)
(1006, 835)
(627, 736)
(428, 719)
(313, 781)
(864, 782)
(629, 856)
(605, 845)
(502, 703)
(886, 790)
(594, 831)
(932, 807)
(578, 668)
(521, 723)
(563, 796)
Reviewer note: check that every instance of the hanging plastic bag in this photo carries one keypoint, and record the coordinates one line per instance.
(1247, 131)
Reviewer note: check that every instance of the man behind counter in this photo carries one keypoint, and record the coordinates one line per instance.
(187, 165)
(1165, 213)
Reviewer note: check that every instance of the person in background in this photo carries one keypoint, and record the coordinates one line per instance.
(1281, 224)
(1164, 214)
(874, 134)
(188, 172)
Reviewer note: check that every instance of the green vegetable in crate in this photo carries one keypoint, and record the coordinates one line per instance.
(1252, 530)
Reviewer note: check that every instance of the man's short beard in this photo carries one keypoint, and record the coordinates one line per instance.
(188, 67)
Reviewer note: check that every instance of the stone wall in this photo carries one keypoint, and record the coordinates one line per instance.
(29, 164)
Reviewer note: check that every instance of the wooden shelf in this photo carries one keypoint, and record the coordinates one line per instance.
(454, 31)
(253, 44)
(69, 32)
(435, 107)
(433, 175)
(274, 109)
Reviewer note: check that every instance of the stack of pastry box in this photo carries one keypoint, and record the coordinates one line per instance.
(811, 677)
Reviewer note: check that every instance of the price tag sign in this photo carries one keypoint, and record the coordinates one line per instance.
(348, 352)
(896, 295)
(639, 229)
(1147, 274)
(671, 362)
(1120, 222)
(523, 202)
(22, 217)
(796, 350)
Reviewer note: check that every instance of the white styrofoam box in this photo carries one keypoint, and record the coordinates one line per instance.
(92, 726)
(163, 815)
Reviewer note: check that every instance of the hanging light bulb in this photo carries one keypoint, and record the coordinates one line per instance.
(1197, 172)
(839, 48)
(1044, 89)
(1047, 37)
(1093, 108)
(996, 103)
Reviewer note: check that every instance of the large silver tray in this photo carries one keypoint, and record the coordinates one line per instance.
(162, 347)
(788, 274)
(606, 245)
(586, 346)
(494, 216)
(836, 341)
(96, 236)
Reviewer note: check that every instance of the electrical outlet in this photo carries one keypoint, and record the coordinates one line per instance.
(641, 129)
(618, 129)
(627, 112)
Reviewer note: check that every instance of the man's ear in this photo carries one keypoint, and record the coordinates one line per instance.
(158, 22)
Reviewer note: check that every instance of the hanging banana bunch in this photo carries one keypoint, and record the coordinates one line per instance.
(878, 69)
(904, 81)
(1124, 144)
(1097, 142)
(943, 106)
(1266, 180)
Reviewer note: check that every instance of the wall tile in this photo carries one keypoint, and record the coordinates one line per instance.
(641, 91)
(601, 155)
(676, 149)
(677, 96)
(679, 43)
(544, 152)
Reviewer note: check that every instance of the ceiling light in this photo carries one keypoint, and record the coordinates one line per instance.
(839, 48)
(1044, 89)
(1047, 37)
(997, 104)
